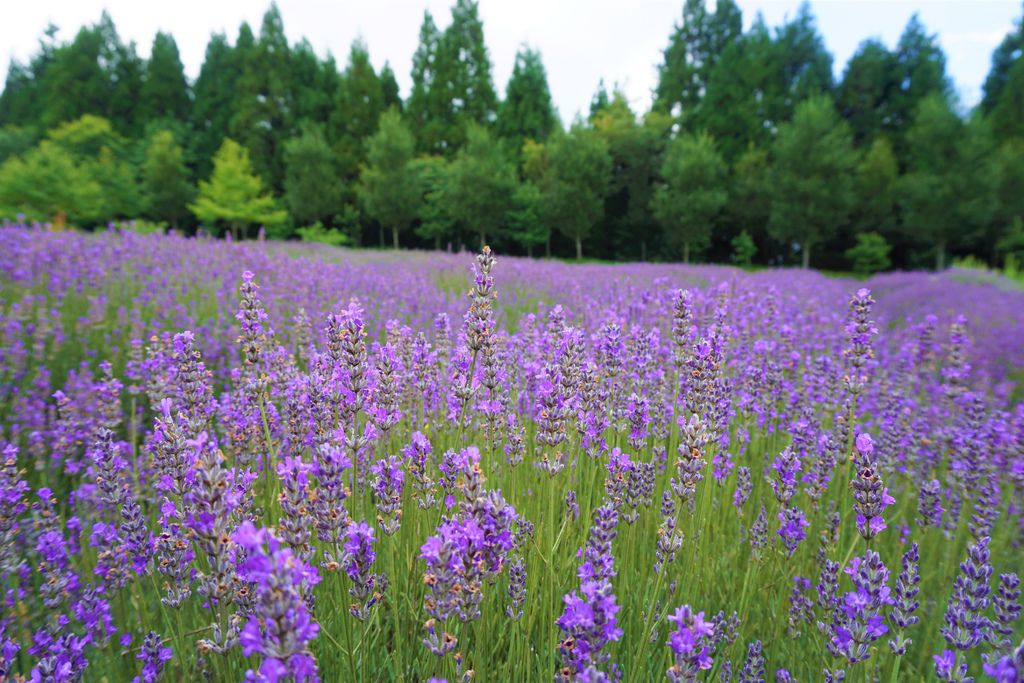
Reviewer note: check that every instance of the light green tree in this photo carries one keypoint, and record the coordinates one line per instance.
(388, 187)
(47, 181)
(814, 163)
(480, 183)
(234, 194)
(576, 182)
(166, 186)
(692, 192)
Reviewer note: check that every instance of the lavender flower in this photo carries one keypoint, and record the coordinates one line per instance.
(280, 628)
(690, 644)
(966, 623)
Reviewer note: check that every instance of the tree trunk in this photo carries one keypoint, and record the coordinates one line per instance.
(380, 233)
(686, 253)
(529, 251)
(437, 243)
(805, 255)
(547, 248)
(579, 249)
(940, 256)
(394, 235)
(235, 232)
(643, 250)
(483, 240)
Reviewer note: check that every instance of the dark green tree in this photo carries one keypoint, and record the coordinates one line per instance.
(1007, 113)
(696, 45)
(167, 189)
(388, 183)
(452, 84)
(1004, 57)
(863, 96)
(389, 86)
(735, 108)
(214, 103)
(264, 109)
(164, 93)
(357, 109)
(424, 107)
(811, 176)
(920, 73)
(527, 111)
(313, 189)
(435, 221)
(692, 192)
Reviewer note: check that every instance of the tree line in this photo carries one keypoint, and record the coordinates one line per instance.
(751, 150)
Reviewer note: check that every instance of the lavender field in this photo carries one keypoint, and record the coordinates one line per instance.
(288, 462)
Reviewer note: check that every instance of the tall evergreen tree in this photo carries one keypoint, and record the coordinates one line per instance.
(750, 195)
(813, 165)
(452, 84)
(801, 64)
(264, 112)
(526, 111)
(314, 85)
(423, 108)
(357, 109)
(1004, 57)
(21, 102)
(694, 48)
(864, 94)
(920, 73)
(164, 92)
(214, 90)
(389, 86)
(735, 108)
(1007, 113)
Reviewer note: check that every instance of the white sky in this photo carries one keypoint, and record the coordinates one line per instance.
(581, 41)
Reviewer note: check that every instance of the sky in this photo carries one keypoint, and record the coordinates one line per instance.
(581, 41)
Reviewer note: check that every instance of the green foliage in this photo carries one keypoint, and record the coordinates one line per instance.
(870, 255)
(750, 191)
(15, 140)
(48, 180)
(811, 174)
(435, 221)
(526, 219)
(692, 192)
(319, 234)
(1007, 115)
(357, 109)
(165, 180)
(388, 188)
(576, 182)
(949, 186)
(480, 184)
(695, 47)
(874, 189)
(452, 84)
(234, 195)
(743, 248)
(164, 92)
(313, 190)
(527, 111)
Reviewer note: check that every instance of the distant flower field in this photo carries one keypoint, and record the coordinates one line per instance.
(283, 462)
